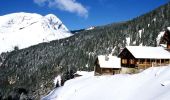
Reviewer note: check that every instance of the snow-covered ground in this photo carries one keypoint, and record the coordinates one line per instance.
(26, 29)
(151, 84)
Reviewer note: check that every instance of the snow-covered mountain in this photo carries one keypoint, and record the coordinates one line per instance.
(151, 84)
(26, 29)
(90, 28)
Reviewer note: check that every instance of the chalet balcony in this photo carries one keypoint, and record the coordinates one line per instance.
(143, 64)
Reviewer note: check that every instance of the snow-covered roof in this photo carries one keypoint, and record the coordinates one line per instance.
(109, 61)
(168, 28)
(81, 73)
(149, 52)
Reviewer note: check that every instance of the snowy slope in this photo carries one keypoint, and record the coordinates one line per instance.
(151, 84)
(90, 28)
(26, 29)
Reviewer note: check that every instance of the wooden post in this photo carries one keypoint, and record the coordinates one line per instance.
(101, 71)
(138, 63)
(95, 70)
(120, 61)
(145, 63)
(113, 71)
(160, 62)
(155, 62)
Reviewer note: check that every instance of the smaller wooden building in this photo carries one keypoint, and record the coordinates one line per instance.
(165, 39)
(142, 57)
(107, 65)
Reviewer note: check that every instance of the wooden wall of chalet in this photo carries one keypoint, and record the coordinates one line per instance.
(129, 61)
(104, 71)
(168, 45)
(166, 39)
(143, 63)
(146, 63)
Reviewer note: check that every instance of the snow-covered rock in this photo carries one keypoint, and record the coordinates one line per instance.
(57, 80)
(140, 32)
(82, 73)
(151, 84)
(168, 28)
(26, 29)
(128, 41)
(90, 28)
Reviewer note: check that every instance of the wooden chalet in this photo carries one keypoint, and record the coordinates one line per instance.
(107, 65)
(165, 39)
(142, 57)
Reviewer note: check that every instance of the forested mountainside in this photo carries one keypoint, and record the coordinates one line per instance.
(35, 68)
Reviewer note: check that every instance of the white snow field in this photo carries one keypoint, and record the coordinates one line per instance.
(26, 29)
(151, 84)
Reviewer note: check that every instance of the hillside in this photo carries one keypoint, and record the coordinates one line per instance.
(35, 68)
(151, 84)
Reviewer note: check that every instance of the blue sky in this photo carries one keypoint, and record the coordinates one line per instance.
(78, 14)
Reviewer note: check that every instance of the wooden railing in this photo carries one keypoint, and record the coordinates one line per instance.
(147, 65)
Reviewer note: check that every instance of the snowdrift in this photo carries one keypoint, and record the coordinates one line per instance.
(151, 84)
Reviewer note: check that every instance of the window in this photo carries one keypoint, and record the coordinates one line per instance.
(124, 61)
(167, 61)
(132, 61)
(148, 61)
